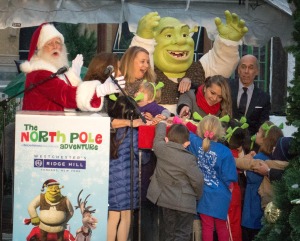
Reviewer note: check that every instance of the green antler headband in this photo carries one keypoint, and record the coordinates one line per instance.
(225, 118)
(253, 138)
(230, 131)
(113, 97)
(267, 128)
(139, 97)
(198, 117)
(243, 120)
(156, 87)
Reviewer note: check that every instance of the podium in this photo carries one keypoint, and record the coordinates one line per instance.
(71, 148)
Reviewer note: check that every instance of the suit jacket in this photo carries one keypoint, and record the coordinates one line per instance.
(258, 110)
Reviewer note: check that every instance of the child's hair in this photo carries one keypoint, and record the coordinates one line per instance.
(178, 133)
(209, 128)
(222, 82)
(123, 108)
(240, 137)
(98, 65)
(271, 134)
(149, 88)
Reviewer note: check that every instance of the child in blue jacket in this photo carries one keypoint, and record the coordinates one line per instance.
(266, 139)
(216, 162)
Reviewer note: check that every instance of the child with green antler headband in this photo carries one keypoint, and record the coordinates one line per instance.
(266, 138)
(216, 162)
(148, 98)
(237, 138)
(192, 124)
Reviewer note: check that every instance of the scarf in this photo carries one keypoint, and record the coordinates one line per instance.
(133, 88)
(202, 103)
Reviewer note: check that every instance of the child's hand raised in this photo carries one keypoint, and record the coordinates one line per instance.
(185, 112)
(250, 155)
(158, 118)
(148, 116)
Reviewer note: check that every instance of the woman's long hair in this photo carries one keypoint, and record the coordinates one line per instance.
(222, 82)
(126, 65)
(98, 65)
(270, 138)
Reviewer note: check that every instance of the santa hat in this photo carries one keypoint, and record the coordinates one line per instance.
(48, 183)
(42, 35)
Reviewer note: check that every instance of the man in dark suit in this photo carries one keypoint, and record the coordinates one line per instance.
(247, 99)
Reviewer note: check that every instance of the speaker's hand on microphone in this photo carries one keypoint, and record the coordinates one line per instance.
(121, 82)
(77, 64)
(108, 87)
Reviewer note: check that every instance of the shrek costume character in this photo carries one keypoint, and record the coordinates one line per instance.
(55, 211)
(171, 48)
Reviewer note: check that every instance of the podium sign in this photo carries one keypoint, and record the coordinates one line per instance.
(68, 148)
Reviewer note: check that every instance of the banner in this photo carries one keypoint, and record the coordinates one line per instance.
(66, 152)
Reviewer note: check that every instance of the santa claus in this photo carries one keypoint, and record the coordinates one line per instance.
(47, 55)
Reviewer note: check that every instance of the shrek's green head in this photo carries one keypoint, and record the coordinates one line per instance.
(174, 51)
(53, 193)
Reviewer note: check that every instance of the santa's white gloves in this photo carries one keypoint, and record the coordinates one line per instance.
(109, 87)
(77, 64)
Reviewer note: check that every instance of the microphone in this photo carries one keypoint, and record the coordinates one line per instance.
(109, 70)
(61, 70)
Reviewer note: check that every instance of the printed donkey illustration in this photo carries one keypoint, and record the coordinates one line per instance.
(89, 222)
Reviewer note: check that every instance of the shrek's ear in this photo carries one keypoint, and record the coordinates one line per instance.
(194, 29)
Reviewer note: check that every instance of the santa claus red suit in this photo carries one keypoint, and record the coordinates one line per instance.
(47, 54)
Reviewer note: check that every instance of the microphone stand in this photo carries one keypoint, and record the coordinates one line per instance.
(4, 106)
(136, 109)
(129, 99)
(4, 102)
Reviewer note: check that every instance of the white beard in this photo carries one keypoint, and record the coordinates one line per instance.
(58, 61)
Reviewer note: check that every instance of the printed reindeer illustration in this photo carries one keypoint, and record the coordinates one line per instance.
(89, 222)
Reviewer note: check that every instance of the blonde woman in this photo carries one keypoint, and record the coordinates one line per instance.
(135, 67)
(213, 97)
